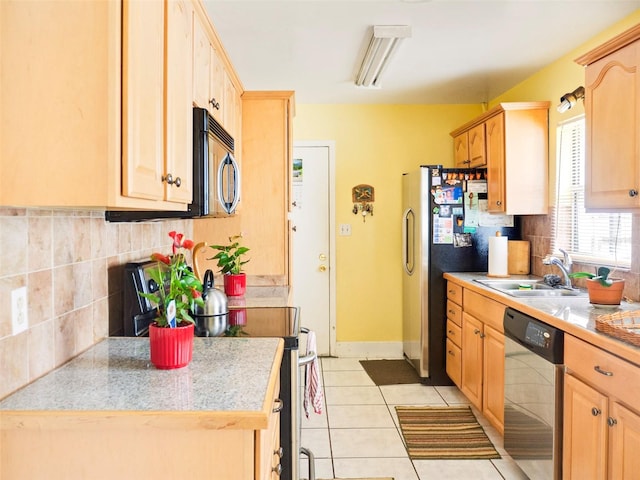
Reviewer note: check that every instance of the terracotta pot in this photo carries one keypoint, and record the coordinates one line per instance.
(235, 284)
(171, 347)
(601, 295)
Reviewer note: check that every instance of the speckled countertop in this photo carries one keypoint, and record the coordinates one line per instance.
(574, 315)
(228, 377)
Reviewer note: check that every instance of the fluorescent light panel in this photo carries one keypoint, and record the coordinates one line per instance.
(382, 46)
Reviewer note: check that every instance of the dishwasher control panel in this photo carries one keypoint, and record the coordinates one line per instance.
(536, 336)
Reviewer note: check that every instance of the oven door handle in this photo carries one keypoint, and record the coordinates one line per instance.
(310, 356)
(306, 359)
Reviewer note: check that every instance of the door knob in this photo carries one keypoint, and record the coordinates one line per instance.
(322, 268)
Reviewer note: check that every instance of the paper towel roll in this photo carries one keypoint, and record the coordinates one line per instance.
(498, 256)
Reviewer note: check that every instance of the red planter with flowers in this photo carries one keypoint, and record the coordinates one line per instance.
(171, 347)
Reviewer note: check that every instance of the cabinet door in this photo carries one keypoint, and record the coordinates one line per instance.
(477, 154)
(493, 375)
(201, 64)
(624, 445)
(461, 150)
(179, 98)
(142, 99)
(472, 358)
(494, 131)
(613, 123)
(230, 102)
(584, 432)
(216, 87)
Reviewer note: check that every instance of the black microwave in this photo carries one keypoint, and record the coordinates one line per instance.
(216, 176)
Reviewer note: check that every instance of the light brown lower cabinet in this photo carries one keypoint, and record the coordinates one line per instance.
(475, 350)
(601, 426)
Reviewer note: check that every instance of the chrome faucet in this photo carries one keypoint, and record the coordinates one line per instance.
(563, 265)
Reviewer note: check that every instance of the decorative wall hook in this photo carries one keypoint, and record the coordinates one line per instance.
(363, 196)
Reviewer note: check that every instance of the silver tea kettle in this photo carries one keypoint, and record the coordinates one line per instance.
(212, 318)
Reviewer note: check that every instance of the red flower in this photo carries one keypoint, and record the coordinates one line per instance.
(158, 257)
(180, 242)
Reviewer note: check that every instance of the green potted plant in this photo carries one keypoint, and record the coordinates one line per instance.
(603, 290)
(230, 262)
(171, 334)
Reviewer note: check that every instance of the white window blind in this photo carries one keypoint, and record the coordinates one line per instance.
(599, 238)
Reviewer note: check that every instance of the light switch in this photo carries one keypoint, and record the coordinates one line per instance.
(345, 229)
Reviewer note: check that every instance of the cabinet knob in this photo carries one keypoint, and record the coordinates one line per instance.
(595, 411)
(279, 452)
(277, 469)
(170, 181)
(499, 202)
(450, 353)
(611, 421)
(633, 192)
(476, 331)
(214, 104)
(278, 405)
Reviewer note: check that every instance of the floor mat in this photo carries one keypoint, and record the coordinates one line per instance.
(444, 433)
(390, 372)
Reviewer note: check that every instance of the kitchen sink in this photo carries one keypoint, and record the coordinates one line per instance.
(529, 288)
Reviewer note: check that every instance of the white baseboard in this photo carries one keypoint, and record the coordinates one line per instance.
(369, 350)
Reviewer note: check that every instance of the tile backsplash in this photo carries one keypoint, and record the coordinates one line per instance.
(71, 263)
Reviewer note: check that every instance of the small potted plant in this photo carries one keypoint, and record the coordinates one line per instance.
(603, 290)
(171, 335)
(230, 262)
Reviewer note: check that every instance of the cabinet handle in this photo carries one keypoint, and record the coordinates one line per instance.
(450, 353)
(279, 452)
(452, 292)
(595, 411)
(277, 469)
(467, 161)
(451, 332)
(214, 104)
(169, 179)
(633, 192)
(278, 405)
(452, 312)
(611, 421)
(602, 372)
(499, 202)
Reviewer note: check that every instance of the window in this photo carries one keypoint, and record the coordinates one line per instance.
(600, 238)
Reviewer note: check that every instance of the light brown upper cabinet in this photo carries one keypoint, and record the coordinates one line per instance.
(514, 139)
(86, 125)
(157, 158)
(215, 84)
(469, 147)
(612, 90)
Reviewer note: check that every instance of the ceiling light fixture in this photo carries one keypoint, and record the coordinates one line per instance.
(383, 44)
(568, 100)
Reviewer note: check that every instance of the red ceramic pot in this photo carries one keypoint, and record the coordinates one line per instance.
(171, 347)
(235, 284)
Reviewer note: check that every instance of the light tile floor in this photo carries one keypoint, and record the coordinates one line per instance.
(357, 435)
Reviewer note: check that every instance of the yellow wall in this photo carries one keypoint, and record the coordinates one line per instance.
(374, 145)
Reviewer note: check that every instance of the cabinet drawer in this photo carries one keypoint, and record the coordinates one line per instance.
(454, 362)
(604, 371)
(454, 333)
(454, 292)
(454, 313)
(484, 309)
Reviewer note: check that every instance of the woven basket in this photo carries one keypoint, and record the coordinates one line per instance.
(622, 325)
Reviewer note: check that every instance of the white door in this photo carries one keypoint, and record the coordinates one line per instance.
(312, 218)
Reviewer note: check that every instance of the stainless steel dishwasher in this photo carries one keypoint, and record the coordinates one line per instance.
(534, 353)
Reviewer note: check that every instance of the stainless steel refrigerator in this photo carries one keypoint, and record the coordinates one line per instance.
(442, 231)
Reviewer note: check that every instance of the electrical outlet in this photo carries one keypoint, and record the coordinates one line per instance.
(345, 229)
(19, 319)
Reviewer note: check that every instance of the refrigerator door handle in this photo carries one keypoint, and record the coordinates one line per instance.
(408, 239)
